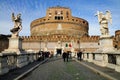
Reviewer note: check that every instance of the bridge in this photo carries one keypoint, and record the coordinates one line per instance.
(54, 68)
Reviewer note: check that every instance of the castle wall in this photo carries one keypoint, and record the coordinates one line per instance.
(50, 43)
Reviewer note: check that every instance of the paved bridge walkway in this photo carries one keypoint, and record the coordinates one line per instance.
(57, 69)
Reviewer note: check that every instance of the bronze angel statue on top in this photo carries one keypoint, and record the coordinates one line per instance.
(103, 21)
(17, 25)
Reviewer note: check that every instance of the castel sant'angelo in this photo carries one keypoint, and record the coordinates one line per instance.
(59, 31)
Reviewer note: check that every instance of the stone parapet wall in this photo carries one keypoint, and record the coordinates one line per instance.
(10, 61)
(110, 60)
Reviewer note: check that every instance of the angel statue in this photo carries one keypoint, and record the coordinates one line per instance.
(17, 25)
(103, 21)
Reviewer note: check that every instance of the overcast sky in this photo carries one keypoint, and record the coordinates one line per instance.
(33, 9)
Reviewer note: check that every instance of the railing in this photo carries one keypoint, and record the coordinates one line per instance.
(10, 61)
(110, 60)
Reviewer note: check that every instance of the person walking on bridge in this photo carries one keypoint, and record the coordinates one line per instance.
(64, 56)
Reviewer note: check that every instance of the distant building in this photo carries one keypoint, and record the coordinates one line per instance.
(4, 42)
(117, 39)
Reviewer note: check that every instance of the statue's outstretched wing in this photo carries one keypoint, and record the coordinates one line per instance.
(99, 14)
(13, 17)
(108, 16)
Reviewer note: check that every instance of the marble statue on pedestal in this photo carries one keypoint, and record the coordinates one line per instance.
(17, 25)
(15, 42)
(106, 41)
(103, 21)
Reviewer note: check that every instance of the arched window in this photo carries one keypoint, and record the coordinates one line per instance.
(58, 17)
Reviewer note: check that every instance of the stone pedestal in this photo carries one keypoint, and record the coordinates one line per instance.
(106, 44)
(15, 45)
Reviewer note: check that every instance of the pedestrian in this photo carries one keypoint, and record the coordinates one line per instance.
(43, 55)
(64, 56)
(67, 55)
(79, 55)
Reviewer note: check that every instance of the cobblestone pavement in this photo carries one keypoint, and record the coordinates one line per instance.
(56, 69)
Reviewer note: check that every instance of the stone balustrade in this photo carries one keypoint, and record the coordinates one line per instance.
(10, 61)
(110, 60)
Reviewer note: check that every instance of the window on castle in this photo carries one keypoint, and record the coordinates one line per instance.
(67, 16)
(44, 19)
(61, 12)
(55, 12)
(55, 17)
(58, 17)
(83, 21)
(50, 13)
(67, 13)
(61, 17)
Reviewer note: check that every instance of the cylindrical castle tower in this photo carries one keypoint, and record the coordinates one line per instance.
(58, 20)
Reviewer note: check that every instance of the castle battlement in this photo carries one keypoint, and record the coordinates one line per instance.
(90, 39)
(60, 38)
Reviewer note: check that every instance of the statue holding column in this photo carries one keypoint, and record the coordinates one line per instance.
(17, 25)
(104, 19)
